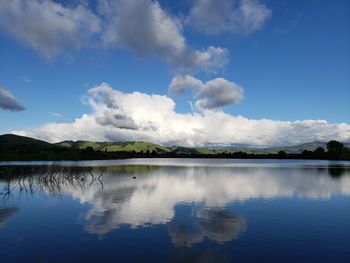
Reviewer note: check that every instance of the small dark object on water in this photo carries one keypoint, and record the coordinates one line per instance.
(134, 177)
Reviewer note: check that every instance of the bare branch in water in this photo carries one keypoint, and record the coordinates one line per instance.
(50, 179)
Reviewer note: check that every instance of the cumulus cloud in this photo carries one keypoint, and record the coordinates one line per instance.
(46, 26)
(145, 28)
(213, 94)
(237, 16)
(154, 118)
(8, 101)
(142, 26)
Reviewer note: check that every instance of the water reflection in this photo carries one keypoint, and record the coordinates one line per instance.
(5, 214)
(23, 180)
(214, 223)
(117, 199)
(337, 171)
(188, 255)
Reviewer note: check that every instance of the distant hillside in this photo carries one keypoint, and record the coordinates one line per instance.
(140, 146)
(11, 140)
(310, 146)
(14, 147)
(132, 146)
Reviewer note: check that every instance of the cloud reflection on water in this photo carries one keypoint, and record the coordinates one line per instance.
(153, 196)
(214, 223)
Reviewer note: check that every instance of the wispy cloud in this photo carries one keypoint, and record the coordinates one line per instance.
(55, 114)
(8, 101)
(122, 116)
(236, 16)
(26, 79)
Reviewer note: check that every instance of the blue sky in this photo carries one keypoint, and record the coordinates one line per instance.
(291, 62)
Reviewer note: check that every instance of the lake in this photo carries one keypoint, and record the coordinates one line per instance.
(175, 210)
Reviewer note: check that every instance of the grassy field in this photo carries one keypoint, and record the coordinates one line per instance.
(136, 146)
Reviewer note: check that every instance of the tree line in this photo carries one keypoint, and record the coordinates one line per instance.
(334, 151)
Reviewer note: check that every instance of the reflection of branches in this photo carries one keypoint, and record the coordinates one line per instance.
(51, 179)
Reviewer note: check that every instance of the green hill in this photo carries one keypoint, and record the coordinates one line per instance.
(19, 143)
(12, 140)
(140, 146)
(132, 146)
(311, 146)
(79, 144)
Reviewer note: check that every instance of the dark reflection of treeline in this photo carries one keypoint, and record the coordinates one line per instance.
(132, 169)
(15, 171)
(338, 171)
(335, 151)
(51, 179)
(334, 171)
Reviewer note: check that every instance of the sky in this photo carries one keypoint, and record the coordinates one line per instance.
(185, 72)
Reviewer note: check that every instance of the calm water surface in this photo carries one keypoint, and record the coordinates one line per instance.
(175, 210)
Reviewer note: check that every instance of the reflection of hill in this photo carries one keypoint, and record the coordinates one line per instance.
(16, 171)
(132, 169)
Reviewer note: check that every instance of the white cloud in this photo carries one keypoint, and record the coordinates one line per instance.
(8, 101)
(153, 118)
(48, 27)
(141, 26)
(145, 28)
(237, 16)
(213, 94)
